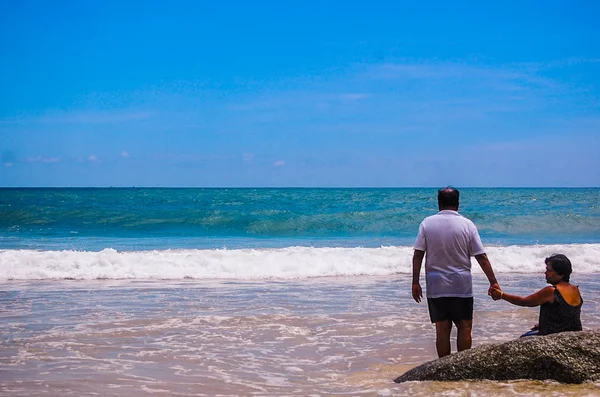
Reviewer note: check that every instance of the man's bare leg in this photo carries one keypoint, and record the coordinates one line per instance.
(463, 337)
(442, 337)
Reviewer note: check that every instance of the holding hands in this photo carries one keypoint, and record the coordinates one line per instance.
(496, 293)
(493, 286)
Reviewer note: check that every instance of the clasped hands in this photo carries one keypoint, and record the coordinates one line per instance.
(495, 292)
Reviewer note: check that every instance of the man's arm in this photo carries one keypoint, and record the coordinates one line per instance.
(486, 266)
(417, 292)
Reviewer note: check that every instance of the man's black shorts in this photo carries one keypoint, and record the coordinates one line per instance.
(450, 308)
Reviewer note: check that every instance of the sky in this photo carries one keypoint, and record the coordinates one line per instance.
(299, 94)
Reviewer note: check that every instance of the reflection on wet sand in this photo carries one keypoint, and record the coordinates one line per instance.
(308, 337)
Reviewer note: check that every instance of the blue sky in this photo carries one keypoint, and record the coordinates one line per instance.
(171, 93)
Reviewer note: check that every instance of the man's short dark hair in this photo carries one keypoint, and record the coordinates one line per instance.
(448, 197)
(561, 265)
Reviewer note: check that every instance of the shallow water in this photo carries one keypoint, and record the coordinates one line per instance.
(322, 336)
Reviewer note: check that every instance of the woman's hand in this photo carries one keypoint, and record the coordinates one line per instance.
(497, 294)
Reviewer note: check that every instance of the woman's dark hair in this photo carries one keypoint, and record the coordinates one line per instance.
(448, 197)
(561, 265)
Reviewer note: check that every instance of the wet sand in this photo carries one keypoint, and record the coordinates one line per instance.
(325, 336)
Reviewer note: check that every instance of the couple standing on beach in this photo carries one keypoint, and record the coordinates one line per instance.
(450, 240)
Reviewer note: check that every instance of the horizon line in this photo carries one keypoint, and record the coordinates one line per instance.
(298, 187)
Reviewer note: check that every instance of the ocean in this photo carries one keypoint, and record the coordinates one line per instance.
(235, 292)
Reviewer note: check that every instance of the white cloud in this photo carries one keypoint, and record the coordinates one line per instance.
(78, 117)
(93, 158)
(511, 77)
(279, 163)
(41, 159)
(352, 97)
(248, 157)
(8, 164)
(124, 154)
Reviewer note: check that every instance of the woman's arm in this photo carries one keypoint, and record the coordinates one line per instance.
(542, 296)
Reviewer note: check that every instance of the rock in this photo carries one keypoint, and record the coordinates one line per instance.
(567, 357)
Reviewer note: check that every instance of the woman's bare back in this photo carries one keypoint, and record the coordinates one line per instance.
(570, 293)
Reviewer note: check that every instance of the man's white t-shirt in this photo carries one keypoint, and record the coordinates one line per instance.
(449, 241)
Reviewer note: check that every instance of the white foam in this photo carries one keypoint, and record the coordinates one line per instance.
(284, 263)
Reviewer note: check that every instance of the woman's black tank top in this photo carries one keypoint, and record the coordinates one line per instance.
(559, 316)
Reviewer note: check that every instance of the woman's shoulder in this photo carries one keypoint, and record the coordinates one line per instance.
(546, 294)
(570, 293)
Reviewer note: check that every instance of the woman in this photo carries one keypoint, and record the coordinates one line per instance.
(560, 302)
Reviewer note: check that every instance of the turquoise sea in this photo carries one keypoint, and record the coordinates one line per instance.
(141, 218)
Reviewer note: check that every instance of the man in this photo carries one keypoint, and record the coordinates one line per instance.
(449, 239)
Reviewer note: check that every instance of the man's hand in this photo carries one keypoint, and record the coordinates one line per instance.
(417, 260)
(417, 292)
(496, 294)
(493, 287)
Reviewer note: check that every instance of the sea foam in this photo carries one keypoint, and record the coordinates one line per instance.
(282, 263)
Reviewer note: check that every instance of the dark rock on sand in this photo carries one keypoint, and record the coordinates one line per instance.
(568, 357)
